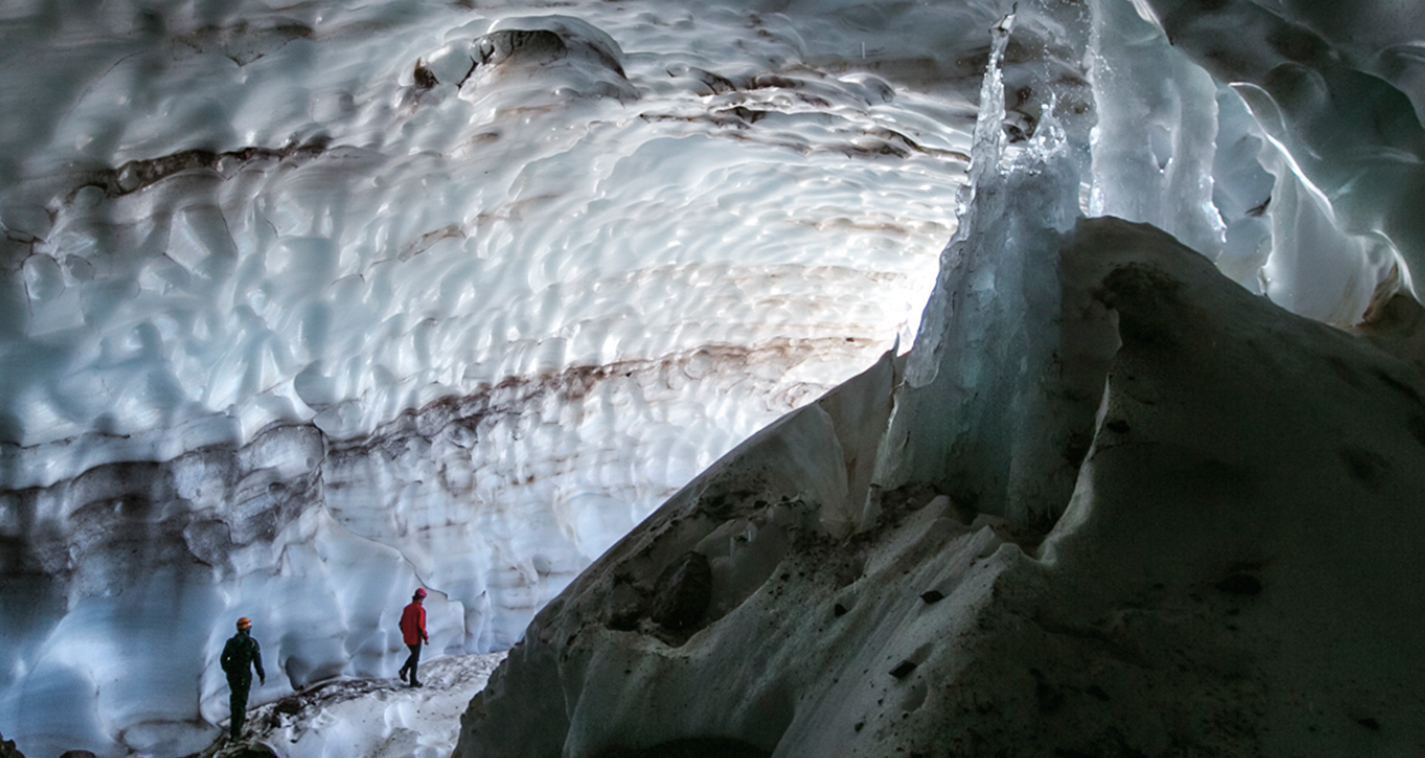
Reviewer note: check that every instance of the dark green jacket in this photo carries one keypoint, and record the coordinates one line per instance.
(242, 652)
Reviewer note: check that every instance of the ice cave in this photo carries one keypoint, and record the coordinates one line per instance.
(743, 378)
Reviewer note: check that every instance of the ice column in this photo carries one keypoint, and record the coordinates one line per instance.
(986, 347)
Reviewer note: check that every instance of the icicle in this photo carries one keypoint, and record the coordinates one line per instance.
(989, 142)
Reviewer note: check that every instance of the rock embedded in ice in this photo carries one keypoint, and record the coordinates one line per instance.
(8, 749)
(561, 55)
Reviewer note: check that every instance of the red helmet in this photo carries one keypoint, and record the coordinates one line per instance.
(420, 592)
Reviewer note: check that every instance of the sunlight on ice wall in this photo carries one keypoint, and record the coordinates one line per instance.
(304, 307)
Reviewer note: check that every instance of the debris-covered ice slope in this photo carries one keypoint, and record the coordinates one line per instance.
(1119, 505)
(1234, 573)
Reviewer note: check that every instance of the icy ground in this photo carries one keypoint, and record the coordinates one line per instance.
(377, 718)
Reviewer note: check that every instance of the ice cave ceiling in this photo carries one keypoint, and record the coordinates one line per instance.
(306, 303)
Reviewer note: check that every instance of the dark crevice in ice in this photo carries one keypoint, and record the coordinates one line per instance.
(136, 175)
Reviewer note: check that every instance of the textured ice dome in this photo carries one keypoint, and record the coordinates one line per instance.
(302, 308)
(261, 214)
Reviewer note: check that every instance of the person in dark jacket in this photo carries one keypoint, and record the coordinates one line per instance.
(240, 656)
(413, 631)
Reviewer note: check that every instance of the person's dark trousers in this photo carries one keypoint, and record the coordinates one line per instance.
(411, 662)
(238, 704)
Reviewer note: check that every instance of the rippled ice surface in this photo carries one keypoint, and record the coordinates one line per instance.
(262, 213)
(303, 308)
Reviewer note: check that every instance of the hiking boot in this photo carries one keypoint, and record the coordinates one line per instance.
(402, 674)
(415, 683)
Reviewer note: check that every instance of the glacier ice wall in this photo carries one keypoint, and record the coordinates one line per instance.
(1334, 108)
(304, 305)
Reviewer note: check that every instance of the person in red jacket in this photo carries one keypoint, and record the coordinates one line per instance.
(413, 631)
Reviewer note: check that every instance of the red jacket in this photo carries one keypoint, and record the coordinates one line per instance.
(413, 624)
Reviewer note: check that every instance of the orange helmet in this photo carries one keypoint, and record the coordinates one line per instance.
(244, 623)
